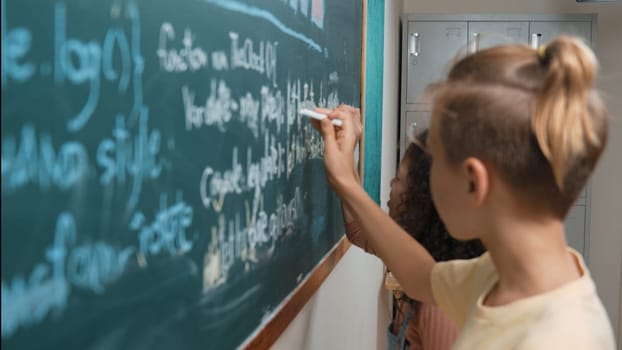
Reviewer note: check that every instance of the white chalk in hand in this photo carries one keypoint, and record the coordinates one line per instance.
(319, 116)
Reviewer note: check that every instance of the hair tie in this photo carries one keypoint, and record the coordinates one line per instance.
(541, 51)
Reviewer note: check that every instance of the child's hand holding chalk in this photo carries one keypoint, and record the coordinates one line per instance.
(319, 116)
(339, 143)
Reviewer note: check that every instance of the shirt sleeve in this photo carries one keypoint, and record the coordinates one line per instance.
(353, 232)
(437, 331)
(457, 284)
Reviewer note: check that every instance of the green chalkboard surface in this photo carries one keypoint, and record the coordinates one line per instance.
(159, 188)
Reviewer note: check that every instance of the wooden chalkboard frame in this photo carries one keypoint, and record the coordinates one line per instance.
(269, 333)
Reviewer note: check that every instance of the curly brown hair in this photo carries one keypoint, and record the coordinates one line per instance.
(417, 215)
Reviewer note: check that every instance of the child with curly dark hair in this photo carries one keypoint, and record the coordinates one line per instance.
(417, 325)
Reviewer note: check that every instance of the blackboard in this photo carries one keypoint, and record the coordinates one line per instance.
(159, 188)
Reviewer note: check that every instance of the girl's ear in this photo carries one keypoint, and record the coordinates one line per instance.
(478, 180)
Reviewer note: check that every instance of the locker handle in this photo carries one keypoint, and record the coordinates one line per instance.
(414, 44)
(535, 40)
(475, 43)
(412, 133)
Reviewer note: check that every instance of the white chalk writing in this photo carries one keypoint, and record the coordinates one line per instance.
(167, 232)
(34, 160)
(232, 240)
(249, 113)
(216, 185)
(217, 110)
(220, 61)
(26, 301)
(133, 156)
(16, 44)
(262, 61)
(173, 60)
(82, 62)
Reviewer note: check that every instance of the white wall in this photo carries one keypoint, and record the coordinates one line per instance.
(346, 312)
(390, 97)
(605, 250)
(351, 310)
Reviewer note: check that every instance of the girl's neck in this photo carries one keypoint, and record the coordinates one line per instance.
(530, 257)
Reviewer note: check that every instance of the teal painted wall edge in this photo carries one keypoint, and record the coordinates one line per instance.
(373, 97)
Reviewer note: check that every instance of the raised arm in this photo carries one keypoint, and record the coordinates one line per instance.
(352, 228)
(405, 258)
(354, 233)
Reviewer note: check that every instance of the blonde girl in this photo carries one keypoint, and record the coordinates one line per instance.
(514, 136)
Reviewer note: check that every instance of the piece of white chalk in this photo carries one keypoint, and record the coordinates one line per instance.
(319, 116)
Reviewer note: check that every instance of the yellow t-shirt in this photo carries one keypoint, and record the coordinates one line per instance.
(569, 317)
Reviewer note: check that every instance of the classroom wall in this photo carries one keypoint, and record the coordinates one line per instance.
(351, 309)
(345, 313)
(605, 247)
(390, 98)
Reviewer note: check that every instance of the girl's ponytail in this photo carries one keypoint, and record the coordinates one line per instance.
(561, 112)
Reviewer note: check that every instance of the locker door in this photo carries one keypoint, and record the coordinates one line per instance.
(550, 29)
(484, 34)
(432, 47)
